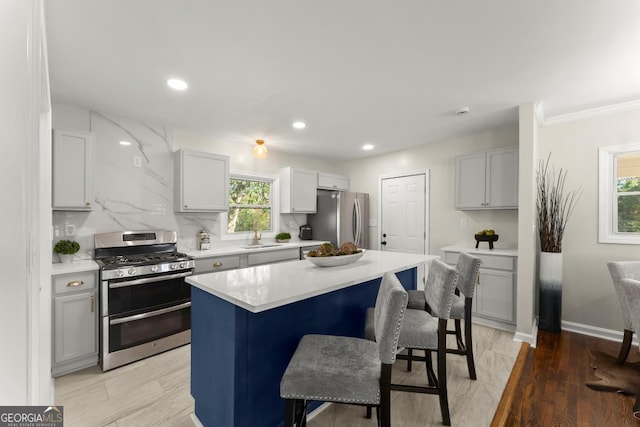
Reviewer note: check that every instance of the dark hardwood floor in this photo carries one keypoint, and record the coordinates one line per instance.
(551, 391)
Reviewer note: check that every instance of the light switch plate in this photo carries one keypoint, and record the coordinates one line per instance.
(137, 161)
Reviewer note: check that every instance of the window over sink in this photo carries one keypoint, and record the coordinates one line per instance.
(252, 200)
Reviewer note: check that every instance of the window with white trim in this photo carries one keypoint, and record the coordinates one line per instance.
(251, 204)
(619, 194)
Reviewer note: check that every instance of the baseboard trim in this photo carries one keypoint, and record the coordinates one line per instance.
(594, 331)
(196, 421)
(530, 339)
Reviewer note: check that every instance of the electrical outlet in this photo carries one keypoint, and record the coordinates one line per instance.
(292, 224)
(137, 161)
(70, 230)
(463, 223)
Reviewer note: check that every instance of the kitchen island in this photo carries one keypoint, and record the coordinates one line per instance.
(246, 324)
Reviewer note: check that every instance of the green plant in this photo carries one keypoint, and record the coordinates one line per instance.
(66, 247)
(283, 236)
(553, 206)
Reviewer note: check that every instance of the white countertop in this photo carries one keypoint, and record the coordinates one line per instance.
(73, 267)
(237, 250)
(483, 251)
(269, 286)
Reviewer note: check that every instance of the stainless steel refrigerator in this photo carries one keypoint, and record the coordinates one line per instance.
(341, 217)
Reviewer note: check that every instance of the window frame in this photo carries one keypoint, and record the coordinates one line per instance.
(274, 200)
(608, 196)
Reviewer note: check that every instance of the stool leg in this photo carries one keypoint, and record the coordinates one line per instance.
(626, 346)
(442, 371)
(409, 360)
(459, 342)
(289, 412)
(431, 376)
(368, 411)
(468, 339)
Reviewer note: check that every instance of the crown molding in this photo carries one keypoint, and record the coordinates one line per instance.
(592, 112)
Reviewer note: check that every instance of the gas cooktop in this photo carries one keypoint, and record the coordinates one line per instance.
(118, 261)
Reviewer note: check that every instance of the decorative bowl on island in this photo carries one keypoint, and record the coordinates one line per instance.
(335, 260)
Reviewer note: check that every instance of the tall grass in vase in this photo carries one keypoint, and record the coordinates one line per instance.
(554, 207)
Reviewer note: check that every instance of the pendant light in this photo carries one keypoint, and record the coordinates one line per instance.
(260, 151)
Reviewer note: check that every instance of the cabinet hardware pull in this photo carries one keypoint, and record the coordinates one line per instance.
(185, 206)
(76, 283)
(88, 203)
(93, 303)
(478, 278)
(217, 264)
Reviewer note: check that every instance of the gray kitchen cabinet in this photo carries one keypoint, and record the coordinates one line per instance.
(201, 181)
(72, 170)
(333, 182)
(487, 180)
(217, 263)
(75, 322)
(494, 301)
(298, 190)
(270, 257)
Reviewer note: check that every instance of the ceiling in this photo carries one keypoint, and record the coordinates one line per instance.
(390, 73)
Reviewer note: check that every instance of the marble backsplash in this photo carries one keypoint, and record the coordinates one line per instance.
(133, 189)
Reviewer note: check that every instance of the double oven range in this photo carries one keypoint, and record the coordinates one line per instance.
(145, 302)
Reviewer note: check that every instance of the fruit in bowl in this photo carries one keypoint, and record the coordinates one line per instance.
(327, 250)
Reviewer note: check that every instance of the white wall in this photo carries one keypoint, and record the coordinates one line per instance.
(439, 159)
(25, 286)
(588, 294)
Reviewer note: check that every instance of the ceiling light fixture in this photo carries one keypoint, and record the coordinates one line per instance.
(299, 125)
(462, 111)
(177, 84)
(260, 151)
(125, 143)
(367, 147)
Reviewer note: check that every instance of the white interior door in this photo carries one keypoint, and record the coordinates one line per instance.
(403, 213)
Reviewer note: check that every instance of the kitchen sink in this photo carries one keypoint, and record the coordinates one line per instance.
(258, 246)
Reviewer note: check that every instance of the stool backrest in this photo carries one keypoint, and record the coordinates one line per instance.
(619, 271)
(440, 287)
(468, 267)
(391, 304)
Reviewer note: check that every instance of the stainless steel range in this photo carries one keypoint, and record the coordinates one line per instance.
(144, 299)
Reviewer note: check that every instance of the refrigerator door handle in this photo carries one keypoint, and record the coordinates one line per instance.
(354, 222)
(358, 222)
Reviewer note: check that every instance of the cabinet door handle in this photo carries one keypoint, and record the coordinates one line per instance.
(88, 203)
(76, 283)
(186, 206)
(93, 303)
(478, 279)
(217, 264)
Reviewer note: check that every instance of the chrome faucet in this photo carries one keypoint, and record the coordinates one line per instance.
(256, 236)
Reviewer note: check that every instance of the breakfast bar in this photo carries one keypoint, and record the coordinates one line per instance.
(246, 324)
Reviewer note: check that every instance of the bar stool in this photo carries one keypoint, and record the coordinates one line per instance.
(624, 275)
(468, 267)
(427, 331)
(344, 369)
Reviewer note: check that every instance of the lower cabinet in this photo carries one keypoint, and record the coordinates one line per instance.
(75, 322)
(213, 264)
(494, 301)
(230, 262)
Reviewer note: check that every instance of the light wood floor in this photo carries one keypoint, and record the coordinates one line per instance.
(155, 391)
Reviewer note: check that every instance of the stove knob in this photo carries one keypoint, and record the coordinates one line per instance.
(154, 268)
(174, 266)
(183, 264)
(132, 271)
(120, 273)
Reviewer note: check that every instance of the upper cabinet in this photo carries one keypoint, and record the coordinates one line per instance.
(72, 169)
(333, 182)
(298, 190)
(201, 181)
(487, 180)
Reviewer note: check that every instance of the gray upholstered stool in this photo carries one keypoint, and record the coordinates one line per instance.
(427, 331)
(344, 369)
(625, 275)
(467, 267)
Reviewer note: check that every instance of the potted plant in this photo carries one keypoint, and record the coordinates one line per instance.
(554, 207)
(66, 249)
(283, 237)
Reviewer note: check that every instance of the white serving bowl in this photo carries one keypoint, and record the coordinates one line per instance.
(333, 261)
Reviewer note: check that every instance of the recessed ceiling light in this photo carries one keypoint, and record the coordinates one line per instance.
(299, 125)
(367, 147)
(125, 143)
(177, 84)
(462, 111)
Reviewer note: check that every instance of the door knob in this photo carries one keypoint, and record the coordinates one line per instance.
(384, 235)
(384, 242)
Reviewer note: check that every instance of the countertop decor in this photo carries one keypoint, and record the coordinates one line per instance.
(334, 261)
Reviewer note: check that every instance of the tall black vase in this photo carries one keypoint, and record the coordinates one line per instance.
(550, 296)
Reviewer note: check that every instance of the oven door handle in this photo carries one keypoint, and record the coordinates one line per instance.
(149, 314)
(147, 280)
